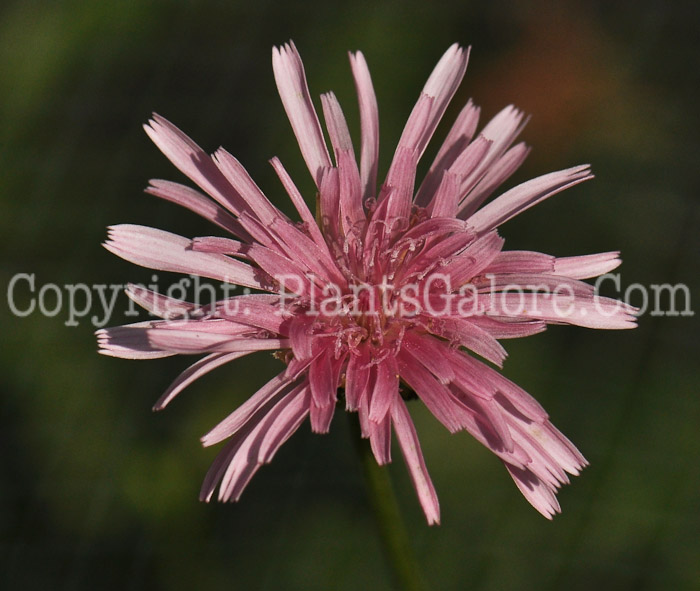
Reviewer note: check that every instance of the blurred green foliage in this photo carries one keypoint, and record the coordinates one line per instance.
(99, 493)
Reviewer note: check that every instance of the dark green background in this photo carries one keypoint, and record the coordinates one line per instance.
(99, 493)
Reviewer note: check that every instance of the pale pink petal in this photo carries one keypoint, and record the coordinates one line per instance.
(521, 261)
(294, 411)
(501, 131)
(194, 342)
(441, 86)
(415, 129)
(350, 194)
(264, 311)
(329, 203)
(237, 419)
(321, 416)
(323, 390)
(506, 328)
(410, 447)
(565, 308)
(219, 245)
(398, 189)
(444, 202)
(386, 388)
(434, 394)
(194, 372)
(194, 162)
(476, 377)
(429, 352)
(497, 173)
(525, 283)
(467, 333)
(307, 217)
(584, 267)
(470, 164)
(455, 143)
(129, 342)
(301, 248)
(258, 444)
(369, 122)
(294, 92)
(357, 380)
(336, 124)
(158, 304)
(157, 249)
(245, 186)
(474, 259)
(537, 493)
(196, 202)
(288, 274)
(380, 439)
(524, 196)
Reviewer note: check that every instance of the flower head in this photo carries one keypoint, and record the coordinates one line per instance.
(385, 292)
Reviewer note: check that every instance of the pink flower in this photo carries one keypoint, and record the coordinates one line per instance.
(395, 291)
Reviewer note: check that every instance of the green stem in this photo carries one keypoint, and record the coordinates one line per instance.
(392, 529)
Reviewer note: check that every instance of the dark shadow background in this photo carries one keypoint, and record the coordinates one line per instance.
(99, 493)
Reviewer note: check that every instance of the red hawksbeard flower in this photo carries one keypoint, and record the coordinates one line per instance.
(390, 291)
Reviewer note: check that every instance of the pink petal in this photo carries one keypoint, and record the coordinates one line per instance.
(430, 353)
(524, 196)
(194, 162)
(473, 259)
(506, 328)
(243, 414)
(307, 217)
(350, 189)
(584, 267)
(537, 493)
(289, 274)
(532, 282)
(497, 173)
(398, 188)
(410, 447)
(591, 312)
(296, 407)
(294, 92)
(369, 124)
(484, 382)
(501, 131)
(194, 342)
(444, 202)
(259, 310)
(521, 261)
(329, 203)
(304, 250)
(158, 304)
(194, 372)
(434, 394)
(455, 143)
(129, 342)
(196, 202)
(244, 185)
(441, 86)
(157, 249)
(215, 244)
(321, 416)
(414, 131)
(323, 390)
(386, 388)
(357, 379)
(469, 334)
(380, 439)
(336, 124)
